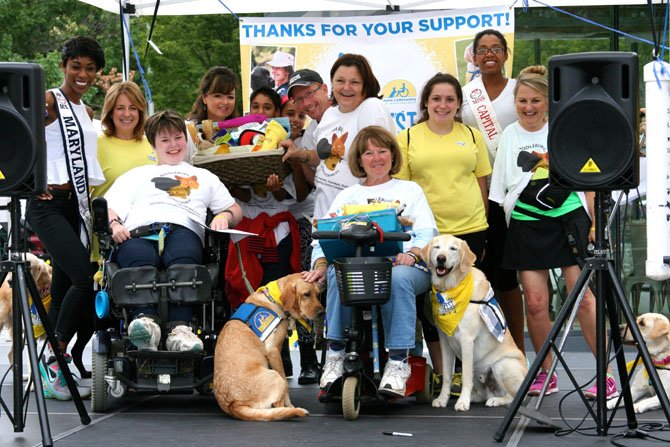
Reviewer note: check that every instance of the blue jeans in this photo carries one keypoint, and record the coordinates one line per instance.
(398, 314)
(182, 246)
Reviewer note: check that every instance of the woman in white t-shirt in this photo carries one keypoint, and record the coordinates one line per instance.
(546, 230)
(374, 158)
(356, 104)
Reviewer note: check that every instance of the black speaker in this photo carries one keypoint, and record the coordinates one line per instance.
(593, 121)
(22, 146)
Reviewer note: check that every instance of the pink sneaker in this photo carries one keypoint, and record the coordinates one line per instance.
(610, 385)
(540, 379)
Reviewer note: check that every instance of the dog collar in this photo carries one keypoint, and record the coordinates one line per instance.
(663, 363)
(273, 293)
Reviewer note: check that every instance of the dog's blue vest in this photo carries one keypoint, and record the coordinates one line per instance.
(261, 320)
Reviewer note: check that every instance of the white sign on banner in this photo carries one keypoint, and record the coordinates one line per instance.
(404, 50)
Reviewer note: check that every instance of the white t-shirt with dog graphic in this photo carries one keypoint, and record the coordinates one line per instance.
(333, 137)
(179, 194)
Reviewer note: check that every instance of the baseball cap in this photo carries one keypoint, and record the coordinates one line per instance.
(303, 78)
(281, 59)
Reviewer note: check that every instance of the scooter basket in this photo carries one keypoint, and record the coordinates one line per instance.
(363, 281)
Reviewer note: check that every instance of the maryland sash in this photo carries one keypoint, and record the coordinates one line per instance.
(75, 154)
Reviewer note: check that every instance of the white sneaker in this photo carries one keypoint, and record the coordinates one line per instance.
(144, 333)
(182, 338)
(395, 378)
(333, 369)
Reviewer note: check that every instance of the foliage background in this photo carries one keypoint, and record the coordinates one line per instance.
(192, 44)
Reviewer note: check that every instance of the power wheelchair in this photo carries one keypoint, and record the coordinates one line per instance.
(118, 367)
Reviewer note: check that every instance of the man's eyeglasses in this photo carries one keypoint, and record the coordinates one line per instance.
(299, 100)
(495, 50)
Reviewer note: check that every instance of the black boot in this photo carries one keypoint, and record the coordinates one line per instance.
(309, 365)
(286, 359)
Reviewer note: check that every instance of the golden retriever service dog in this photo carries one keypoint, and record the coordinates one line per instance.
(457, 285)
(41, 273)
(655, 330)
(244, 385)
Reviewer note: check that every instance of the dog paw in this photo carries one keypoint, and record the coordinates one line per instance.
(611, 404)
(440, 402)
(498, 402)
(639, 408)
(462, 405)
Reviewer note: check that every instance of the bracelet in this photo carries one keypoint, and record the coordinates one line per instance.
(117, 220)
(221, 216)
(593, 228)
(416, 258)
(322, 263)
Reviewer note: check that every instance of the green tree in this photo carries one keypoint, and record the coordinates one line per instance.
(190, 46)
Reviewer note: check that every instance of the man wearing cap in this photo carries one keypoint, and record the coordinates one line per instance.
(282, 69)
(310, 94)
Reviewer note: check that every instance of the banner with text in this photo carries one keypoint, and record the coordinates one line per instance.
(404, 50)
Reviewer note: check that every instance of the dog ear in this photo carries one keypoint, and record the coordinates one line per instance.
(425, 252)
(468, 258)
(296, 298)
(661, 329)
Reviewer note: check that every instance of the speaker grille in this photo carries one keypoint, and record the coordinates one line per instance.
(17, 150)
(591, 145)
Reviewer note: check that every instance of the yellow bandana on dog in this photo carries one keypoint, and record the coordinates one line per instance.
(449, 306)
(273, 293)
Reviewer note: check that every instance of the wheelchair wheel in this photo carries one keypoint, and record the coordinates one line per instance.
(351, 398)
(99, 388)
(425, 396)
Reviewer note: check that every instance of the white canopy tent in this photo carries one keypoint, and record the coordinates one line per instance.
(193, 7)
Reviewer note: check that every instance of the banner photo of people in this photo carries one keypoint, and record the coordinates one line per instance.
(404, 50)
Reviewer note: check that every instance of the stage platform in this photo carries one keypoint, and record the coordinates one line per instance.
(194, 420)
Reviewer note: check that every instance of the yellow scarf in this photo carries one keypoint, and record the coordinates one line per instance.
(274, 294)
(449, 306)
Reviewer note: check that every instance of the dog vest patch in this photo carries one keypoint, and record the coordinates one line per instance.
(492, 316)
(449, 306)
(259, 319)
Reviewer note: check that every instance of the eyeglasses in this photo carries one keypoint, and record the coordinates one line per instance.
(481, 51)
(307, 95)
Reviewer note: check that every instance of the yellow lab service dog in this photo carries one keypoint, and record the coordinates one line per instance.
(41, 273)
(244, 385)
(655, 330)
(457, 285)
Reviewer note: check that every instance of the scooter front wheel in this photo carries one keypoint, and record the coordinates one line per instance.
(351, 398)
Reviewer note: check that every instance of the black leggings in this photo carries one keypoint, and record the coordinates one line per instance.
(56, 223)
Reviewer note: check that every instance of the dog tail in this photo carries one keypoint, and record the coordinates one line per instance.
(247, 413)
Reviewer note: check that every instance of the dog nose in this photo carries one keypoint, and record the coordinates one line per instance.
(441, 259)
(321, 313)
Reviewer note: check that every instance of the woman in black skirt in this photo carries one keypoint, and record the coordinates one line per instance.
(548, 227)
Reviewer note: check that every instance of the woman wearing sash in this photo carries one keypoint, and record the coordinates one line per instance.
(488, 105)
(61, 214)
(548, 227)
(449, 160)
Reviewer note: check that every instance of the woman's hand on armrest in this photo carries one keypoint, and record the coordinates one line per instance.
(120, 233)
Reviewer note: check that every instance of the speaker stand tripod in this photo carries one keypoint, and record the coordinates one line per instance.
(601, 266)
(22, 283)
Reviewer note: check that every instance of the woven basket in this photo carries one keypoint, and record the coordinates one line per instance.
(247, 168)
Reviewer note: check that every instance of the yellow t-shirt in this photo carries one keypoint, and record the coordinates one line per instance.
(447, 168)
(118, 156)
